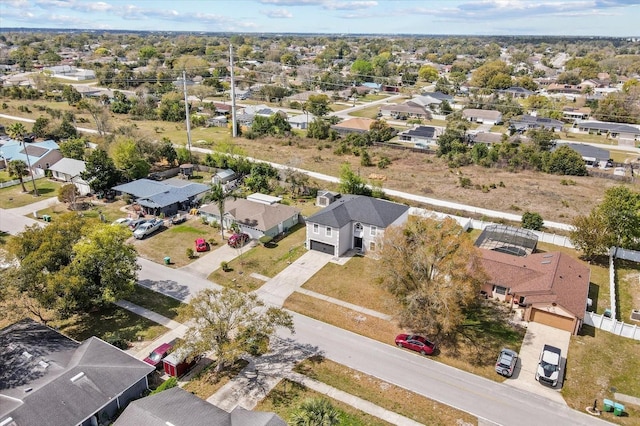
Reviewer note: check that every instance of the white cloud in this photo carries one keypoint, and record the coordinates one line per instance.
(277, 14)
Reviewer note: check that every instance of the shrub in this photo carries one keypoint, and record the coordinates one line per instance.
(532, 220)
(224, 266)
(465, 182)
(171, 382)
(265, 239)
(113, 338)
(189, 253)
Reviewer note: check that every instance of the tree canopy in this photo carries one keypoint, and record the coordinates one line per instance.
(101, 172)
(74, 265)
(229, 323)
(434, 270)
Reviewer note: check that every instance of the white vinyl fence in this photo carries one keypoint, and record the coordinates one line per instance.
(611, 325)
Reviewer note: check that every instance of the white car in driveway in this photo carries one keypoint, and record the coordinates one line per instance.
(148, 228)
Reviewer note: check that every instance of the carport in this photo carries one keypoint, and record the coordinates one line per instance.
(323, 247)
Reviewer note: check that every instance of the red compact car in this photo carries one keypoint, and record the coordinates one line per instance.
(201, 245)
(155, 358)
(415, 343)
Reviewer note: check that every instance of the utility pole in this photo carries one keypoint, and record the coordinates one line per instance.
(234, 123)
(186, 108)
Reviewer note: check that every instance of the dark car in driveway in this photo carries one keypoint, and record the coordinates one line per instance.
(506, 362)
(158, 354)
(238, 240)
(415, 343)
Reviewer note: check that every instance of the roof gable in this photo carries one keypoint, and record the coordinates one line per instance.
(359, 208)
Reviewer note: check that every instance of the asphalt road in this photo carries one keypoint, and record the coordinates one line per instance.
(493, 402)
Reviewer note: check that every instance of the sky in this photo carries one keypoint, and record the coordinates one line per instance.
(612, 18)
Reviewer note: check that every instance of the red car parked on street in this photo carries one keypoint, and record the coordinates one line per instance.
(155, 358)
(415, 343)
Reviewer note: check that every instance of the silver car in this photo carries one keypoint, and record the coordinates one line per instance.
(506, 362)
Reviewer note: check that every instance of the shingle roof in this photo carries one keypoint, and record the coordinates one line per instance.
(487, 114)
(54, 359)
(151, 193)
(69, 166)
(255, 215)
(359, 208)
(421, 131)
(179, 407)
(587, 150)
(609, 127)
(355, 123)
(541, 277)
(14, 150)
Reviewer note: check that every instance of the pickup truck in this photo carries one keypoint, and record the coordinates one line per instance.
(548, 370)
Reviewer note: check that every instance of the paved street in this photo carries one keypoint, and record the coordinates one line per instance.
(491, 401)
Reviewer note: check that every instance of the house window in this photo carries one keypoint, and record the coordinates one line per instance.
(357, 227)
(499, 290)
(373, 231)
(372, 246)
(328, 232)
(316, 228)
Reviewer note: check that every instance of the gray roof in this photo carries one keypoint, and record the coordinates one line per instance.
(151, 193)
(587, 150)
(182, 408)
(256, 215)
(359, 208)
(36, 367)
(609, 127)
(421, 131)
(69, 166)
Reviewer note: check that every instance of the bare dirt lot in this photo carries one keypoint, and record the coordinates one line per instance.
(556, 198)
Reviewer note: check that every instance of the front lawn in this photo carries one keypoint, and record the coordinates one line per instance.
(267, 260)
(13, 197)
(109, 322)
(359, 285)
(628, 288)
(287, 396)
(174, 240)
(383, 394)
(600, 363)
(156, 302)
(204, 384)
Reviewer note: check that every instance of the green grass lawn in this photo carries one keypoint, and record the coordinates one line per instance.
(383, 394)
(13, 196)
(264, 260)
(287, 396)
(110, 321)
(628, 287)
(156, 302)
(600, 363)
(369, 112)
(174, 240)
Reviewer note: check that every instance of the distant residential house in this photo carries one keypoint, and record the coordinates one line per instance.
(41, 155)
(68, 170)
(548, 288)
(166, 197)
(49, 379)
(301, 121)
(176, 406)
(375, 87)
(613, 130)
(582, 113)
(352, 222)
(68, 72)
(218, 121)
(223, 176)
(564, 88)
(408, 109)
(527, 122)
(255, 218)
(420, 135)
(592, 156)
(517, 92)
(353, 125)
(486, 116)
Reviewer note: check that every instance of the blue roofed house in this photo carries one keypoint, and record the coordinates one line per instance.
(353, 222)
(49, 379)
(41, 155)
(166, 197)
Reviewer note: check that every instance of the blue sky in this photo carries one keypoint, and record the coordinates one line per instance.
(470, 17)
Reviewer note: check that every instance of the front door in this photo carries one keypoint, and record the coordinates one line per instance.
(357, 242)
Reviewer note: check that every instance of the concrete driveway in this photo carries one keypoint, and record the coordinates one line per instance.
(524, 375)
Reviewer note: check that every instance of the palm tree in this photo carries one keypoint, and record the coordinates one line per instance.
(316, 412)
(17, 131)
(219, 196)
(18, 169)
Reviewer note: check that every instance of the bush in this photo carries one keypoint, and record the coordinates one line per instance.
(113, 338)
(265, 239)
(465, 182)
(189, 253)
(224, 266)
(532, 220)
(171, 382)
